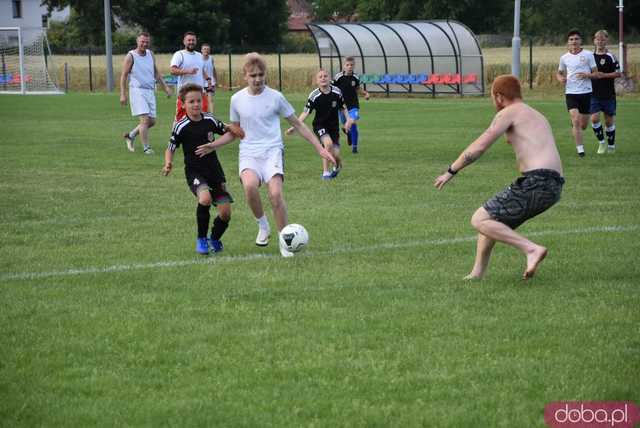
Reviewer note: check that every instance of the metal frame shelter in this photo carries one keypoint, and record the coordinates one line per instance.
(424, 57)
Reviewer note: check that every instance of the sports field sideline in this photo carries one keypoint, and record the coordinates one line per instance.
(109, 317)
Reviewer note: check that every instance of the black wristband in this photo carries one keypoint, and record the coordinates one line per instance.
(451, 171)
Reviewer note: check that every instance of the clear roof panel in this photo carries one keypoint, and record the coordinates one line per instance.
(398, 49)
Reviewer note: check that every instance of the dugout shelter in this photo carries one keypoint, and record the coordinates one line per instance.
(424, 57)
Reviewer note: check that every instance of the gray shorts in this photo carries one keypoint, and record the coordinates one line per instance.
(532, 194)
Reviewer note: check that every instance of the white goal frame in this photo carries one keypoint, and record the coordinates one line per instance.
(50, 87)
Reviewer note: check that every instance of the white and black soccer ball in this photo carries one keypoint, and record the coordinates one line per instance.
(294, 237)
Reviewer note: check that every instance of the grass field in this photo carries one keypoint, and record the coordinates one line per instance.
(109, 318)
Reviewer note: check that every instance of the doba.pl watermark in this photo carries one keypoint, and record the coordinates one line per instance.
(591, 414)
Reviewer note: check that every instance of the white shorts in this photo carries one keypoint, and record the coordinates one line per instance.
(265, 166)
(142, 101)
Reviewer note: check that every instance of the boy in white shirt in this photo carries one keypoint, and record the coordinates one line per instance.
(257, 109)
(577, 68)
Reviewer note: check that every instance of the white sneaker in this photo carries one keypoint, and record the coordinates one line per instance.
(602, 147)
(148, 151)
(262, 240)
(285, 252)
(611, 149)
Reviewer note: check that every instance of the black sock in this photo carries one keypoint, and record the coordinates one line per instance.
(599, 132)
(203, 217)
(611, 137)
(219, 227)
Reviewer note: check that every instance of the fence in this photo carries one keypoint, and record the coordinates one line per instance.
(85, 70)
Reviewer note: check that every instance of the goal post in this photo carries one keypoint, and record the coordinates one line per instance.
(25, 62)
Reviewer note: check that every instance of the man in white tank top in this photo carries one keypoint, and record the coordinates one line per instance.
(188, 66)
(140, 68)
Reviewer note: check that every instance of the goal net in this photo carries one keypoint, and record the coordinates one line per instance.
(26, 65)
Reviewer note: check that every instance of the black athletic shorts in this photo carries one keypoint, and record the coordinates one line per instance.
(219, 194)
(333, 133)
(580, 101)
(532, 194)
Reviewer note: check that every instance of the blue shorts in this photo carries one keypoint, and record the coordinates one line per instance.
(606, 106)
(354, 114)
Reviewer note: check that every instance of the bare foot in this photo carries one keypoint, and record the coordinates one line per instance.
(534, 258)
(472, 277)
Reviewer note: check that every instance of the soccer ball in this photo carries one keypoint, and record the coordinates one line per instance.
(294, 237)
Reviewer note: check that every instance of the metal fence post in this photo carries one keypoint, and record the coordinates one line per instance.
(90, 72)
(230, 79)
(530, 62)
(66, 77)
(280, 68)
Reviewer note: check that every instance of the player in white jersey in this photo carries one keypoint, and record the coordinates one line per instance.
(576, 69)
(140, 69)
(210, 69)
(188, 66)
(257, 109)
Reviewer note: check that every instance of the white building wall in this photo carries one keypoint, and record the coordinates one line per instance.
(32, 14)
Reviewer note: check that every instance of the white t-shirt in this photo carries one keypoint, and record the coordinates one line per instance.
(259, 117)
(570, 64)
(185, 59)
(208, 67)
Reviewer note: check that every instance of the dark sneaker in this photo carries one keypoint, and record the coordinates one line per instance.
(354, 149)
(336, 171)
(216, 245)
(202, 246)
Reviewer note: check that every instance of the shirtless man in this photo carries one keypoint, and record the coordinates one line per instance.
(537, 190)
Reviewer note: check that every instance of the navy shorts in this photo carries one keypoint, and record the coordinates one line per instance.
(532, 194)
(602, 105)
(582, 102)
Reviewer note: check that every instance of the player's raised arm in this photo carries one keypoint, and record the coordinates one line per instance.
(306, 133)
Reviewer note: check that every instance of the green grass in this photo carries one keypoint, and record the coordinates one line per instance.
(109, 318)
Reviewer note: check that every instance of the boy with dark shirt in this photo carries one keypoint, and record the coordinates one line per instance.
(349, 83)
(603, 98)
(204, 174)
(327, 101)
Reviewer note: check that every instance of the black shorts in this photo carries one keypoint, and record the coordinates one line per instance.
(333, 133)
(532, 194)
(218, 190)
(580, 101)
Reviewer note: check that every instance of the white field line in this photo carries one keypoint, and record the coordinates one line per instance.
(273, 256)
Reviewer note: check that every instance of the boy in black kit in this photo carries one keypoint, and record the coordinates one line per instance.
(349, 83)
(328, 102)
(204, 174)
(603, 98)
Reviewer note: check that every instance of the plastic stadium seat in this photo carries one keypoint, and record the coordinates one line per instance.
(470, 78)
(16, 79)
(170, 79)
(434, 79)
(452, 79)
(366, 78)
(417, 79)
(403, 79)
(387, 79)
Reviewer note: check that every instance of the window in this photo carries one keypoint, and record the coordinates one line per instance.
(17, 8)
(45, 21)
